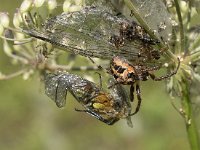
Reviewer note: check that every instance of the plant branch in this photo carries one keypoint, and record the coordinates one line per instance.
(144, 24)
(182, 36)
(192, 58)
(190, 123)
(195, 43)
(10, 76)
(55, 67)
(188, 25)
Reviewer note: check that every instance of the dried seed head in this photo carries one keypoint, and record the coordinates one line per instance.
(79, 2)
(52, 4)
(166, 65)
(66, 5)
(27, 74)
(7, 49)
(183, 6)
(17, 19)
(74, 8)
(26, 6)
(38, 3)
(1, 29)
(169, 3)
(19, 36)
(4, 19)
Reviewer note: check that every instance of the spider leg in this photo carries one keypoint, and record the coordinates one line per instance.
(167, 75)
(139, 99)
(109, 121)
(132, 89)
(99, 66)
(107, 70)
(153, 68)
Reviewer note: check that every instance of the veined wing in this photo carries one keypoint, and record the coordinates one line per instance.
(87, 32)
(55, 89)
(57, 86)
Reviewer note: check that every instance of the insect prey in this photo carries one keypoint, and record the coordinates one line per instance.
(106, 107)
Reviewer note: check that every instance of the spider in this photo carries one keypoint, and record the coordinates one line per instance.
(108, 107)
(126, 73)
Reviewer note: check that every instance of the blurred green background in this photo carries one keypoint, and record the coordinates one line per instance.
(30, 120)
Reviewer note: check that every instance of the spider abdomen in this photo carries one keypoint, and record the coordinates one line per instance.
(123, 71)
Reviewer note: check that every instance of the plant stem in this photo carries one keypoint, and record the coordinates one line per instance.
(192, 58)
(190, 123)
(182, 36)
(7, 77)
(191, 129)
(144, 24)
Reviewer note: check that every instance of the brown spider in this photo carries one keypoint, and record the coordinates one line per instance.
(127, 74)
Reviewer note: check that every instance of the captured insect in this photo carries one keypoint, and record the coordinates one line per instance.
(95, 32)
(128, 74)
(106, 107)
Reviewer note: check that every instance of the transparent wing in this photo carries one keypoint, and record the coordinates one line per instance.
(56, 89)
(57, 86)
(87, 32)
(79, 87)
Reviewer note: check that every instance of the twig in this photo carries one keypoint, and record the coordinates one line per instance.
(182, 35)
(7, 77)
(143, 23)
(190, 123)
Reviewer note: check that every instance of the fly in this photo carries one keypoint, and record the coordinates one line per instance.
(108, 107)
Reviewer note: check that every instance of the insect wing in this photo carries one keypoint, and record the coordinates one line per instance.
(57, 85)
(56, 88)
(81, 88)
(86, 32)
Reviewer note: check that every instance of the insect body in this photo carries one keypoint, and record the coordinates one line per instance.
(126, 73)
(106, 107)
